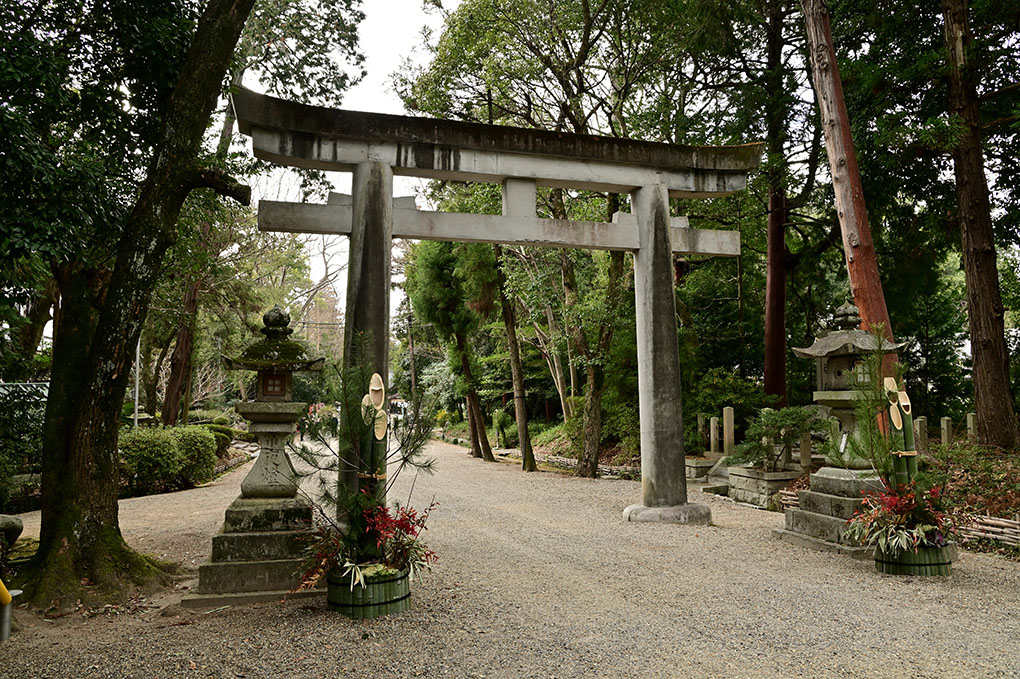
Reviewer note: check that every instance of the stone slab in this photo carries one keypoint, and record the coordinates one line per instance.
(819, 526)
(830, 505)
(716, 489)
(259, 546)
(196, 600)
(698, 468)
(690, 514)
(845, 482)
(802, 540)
(247, 515)
(249, 576)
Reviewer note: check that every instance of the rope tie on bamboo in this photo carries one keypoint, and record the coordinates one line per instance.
(377, 477)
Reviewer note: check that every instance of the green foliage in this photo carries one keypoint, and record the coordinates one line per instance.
(197, 446)
(503, 422)
(150, 459)
(348, 442)
(721, 387)
(978, 480)
(234, 434)
(903, 518)
(21, 425)
(772, 431)
(222, 444)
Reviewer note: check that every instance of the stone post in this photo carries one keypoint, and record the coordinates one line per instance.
(727, 424)
(947, 431)
(805, 450)
(972, 426)
(702, 426)
(921, 434)
(663, 474)
(713, 436)
(367, 313)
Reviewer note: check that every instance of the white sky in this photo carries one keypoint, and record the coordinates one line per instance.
(390, 32)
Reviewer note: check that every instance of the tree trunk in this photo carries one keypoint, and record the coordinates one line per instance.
(476, 420)
(80, 540)
(476, 449)
(516, 368)
(997, 425)
(588, 464)
(150, 375)
(861, 262)
(180, 360)
(775, 277)
(595, 372)
(555, 362)
(775, 297)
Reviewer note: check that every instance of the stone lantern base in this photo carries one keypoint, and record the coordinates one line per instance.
(257, 554)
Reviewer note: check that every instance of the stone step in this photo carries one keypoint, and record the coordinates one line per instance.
(195, 600)
(819, 526)
(802, 540)
(249, 576)
(248, 515)
(290, 544)
(845, 482)
(829, 505)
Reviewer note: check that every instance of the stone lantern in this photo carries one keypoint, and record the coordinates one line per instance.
(273, 414)
(840, 364)
(257, 554)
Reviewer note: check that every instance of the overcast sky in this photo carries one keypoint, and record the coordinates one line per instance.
(390, 32)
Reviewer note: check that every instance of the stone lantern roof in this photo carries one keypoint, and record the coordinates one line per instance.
(846, 339)
(275, 353)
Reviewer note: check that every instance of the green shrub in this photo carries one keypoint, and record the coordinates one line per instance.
(775, 429)
(234, 434)
(221, 420)
(222, 443)
(197, 446)
(21, 424)
(150, 459)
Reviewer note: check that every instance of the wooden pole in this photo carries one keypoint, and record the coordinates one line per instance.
(858, 247)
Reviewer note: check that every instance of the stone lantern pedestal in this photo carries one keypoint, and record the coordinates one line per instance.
(835, 493)
(257, 554)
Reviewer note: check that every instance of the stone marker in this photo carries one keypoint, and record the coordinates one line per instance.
(947, 431)
(972, 426)
(921, 433)
(805, 450)
(728, 440)
(713, 436)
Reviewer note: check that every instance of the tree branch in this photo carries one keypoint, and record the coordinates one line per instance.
(220, 182)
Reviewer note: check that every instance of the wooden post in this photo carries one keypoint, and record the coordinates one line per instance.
(858, 247)
(972, 426)
(947, 431)
(714, 436)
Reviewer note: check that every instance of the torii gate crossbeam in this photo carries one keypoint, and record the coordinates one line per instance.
(375, 147)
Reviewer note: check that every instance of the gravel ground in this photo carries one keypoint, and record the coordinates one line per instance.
(539, 577)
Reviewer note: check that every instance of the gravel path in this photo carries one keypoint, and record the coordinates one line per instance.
(540, 577)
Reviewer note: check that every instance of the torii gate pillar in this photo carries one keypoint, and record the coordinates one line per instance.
(367, 314)
(663, 477)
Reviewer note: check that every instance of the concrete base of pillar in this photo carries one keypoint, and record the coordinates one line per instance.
(690, 513)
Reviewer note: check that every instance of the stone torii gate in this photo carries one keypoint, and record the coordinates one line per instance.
(375, 147)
